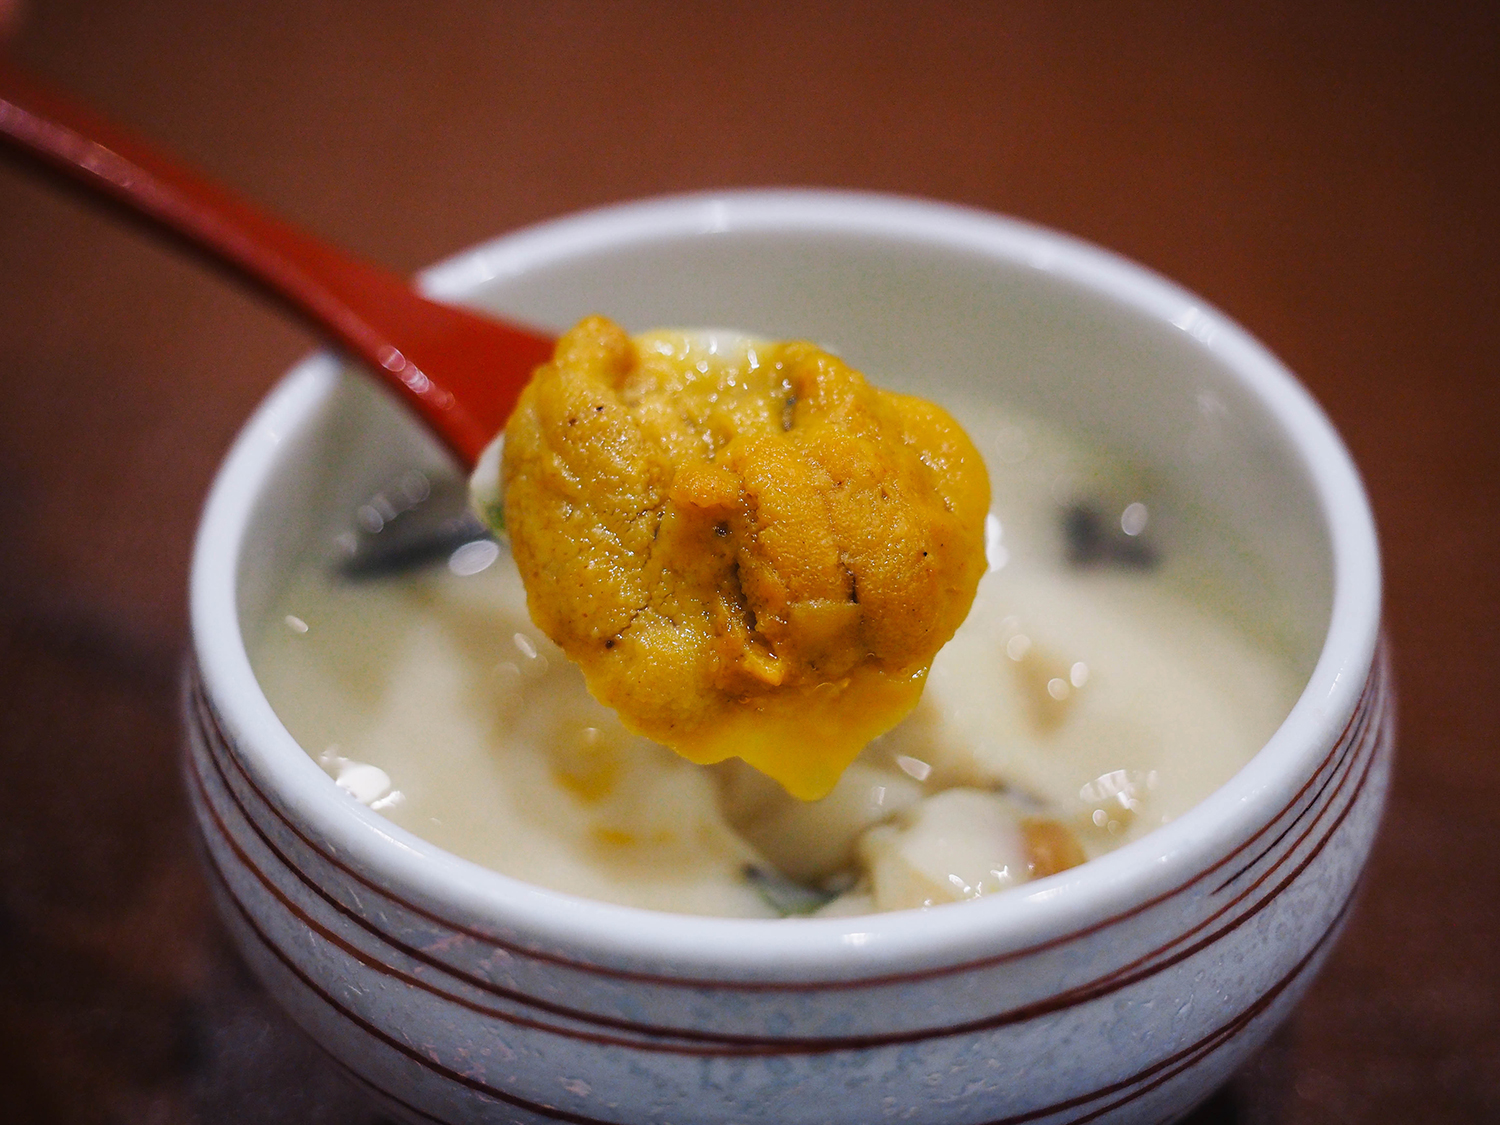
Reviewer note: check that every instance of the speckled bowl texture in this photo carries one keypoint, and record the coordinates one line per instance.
(1122, 990)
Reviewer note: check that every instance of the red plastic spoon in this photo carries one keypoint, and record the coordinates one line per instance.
(460, 371)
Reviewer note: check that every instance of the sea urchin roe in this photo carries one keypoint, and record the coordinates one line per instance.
(750, 551)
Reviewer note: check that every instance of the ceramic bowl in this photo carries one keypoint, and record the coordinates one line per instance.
(1123, 990)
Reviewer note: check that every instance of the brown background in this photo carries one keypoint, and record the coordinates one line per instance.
(1328, 174)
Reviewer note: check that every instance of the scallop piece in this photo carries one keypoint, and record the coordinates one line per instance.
(955, 845)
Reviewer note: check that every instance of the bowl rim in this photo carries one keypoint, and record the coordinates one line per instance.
(686, 946)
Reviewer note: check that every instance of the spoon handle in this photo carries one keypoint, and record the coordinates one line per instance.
(462, 372)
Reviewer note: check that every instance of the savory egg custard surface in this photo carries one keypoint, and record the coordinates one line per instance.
(1113, 671)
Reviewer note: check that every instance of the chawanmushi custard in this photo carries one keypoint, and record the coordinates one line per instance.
(1123, 655)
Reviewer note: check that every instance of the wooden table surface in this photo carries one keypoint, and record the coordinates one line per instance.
(1328, 174)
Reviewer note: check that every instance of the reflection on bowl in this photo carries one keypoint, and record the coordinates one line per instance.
(1124, 989)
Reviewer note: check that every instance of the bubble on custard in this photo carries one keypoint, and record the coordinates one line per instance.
(366, 783)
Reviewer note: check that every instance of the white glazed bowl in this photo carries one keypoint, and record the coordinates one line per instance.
(1122, 990)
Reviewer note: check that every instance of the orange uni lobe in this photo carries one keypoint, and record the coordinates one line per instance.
(775, 549)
